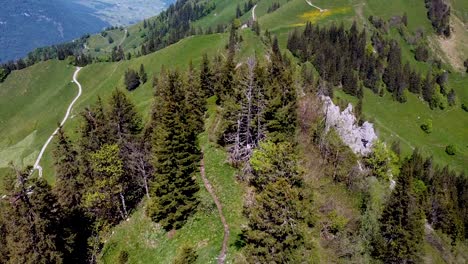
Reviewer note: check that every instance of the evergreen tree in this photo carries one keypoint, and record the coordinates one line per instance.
(68, 188)
(125, 125)
(143, 75)
(280, 111)
(428, 90)
(195, 103)
(124, 120)
(273, 161)
(132, 80)
(415, 82)
(175, 158)
(32, 220)
(273, 234)
(206, 77)
(401, 223)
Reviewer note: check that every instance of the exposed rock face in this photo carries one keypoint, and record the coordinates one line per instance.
(358, 138)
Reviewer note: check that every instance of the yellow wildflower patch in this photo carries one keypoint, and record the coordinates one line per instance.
(315, 15)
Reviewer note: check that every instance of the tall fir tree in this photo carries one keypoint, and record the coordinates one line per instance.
(195, 102)
(175, 158)
(32, 220)
(401, 223)
(68, 189)
(272, 234)
(281, 99)
(206, 77)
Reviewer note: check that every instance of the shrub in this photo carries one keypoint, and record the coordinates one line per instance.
(123, 257)
(464, 107)
(3, 74)
(427, 126)
(337, 222)
(421, 53)
(187, 255)
(132, 80)
(451, 150)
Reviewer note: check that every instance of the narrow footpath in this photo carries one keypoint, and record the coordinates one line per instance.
(67, 114)
(254, 18)
(209, 187)
(312, 5)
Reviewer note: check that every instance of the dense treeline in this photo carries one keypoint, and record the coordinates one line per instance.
(173, 24)
(438, 12)
(423, 191)
(344, 58)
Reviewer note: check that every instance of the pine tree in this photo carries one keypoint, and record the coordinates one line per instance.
(125, 124)
(124, 119)
(175, 158)
(32, 221)
(401, 223)
(68, 189)
(94, 133)
(143, 75)
(206, 77)
(132, 80)
(271, 162)
(195, 102)
(273, 234)
(280, 111)
(67, 186)
(428, 90)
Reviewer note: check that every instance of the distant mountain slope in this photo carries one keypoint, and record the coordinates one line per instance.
(26, 25)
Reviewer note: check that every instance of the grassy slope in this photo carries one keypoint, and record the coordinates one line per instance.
(32, 101)
(393, 120)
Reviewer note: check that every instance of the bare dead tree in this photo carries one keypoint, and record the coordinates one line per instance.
(249, 128)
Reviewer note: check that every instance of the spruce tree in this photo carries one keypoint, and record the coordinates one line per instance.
(280, 111)
(273, 234)
(67, 186)
(124, 120)
(143, 75)
(195, 102)
(68, 189)
(206, 77)
(401, 223)
(175, 158)
(32, 220)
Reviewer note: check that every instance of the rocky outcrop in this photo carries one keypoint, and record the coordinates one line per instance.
(358, 138)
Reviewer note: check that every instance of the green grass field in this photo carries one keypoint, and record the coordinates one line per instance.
(32, 102)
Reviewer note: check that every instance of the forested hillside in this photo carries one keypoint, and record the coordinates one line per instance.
(246, 131)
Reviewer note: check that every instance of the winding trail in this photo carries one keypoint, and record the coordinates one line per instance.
(312, 5)
(67, 114)
(209, 188)
(254, 18)
(124, 38)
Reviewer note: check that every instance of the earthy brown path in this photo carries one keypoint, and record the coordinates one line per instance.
(209, 187)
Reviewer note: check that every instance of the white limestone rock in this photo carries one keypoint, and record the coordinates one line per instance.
(358, 138)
